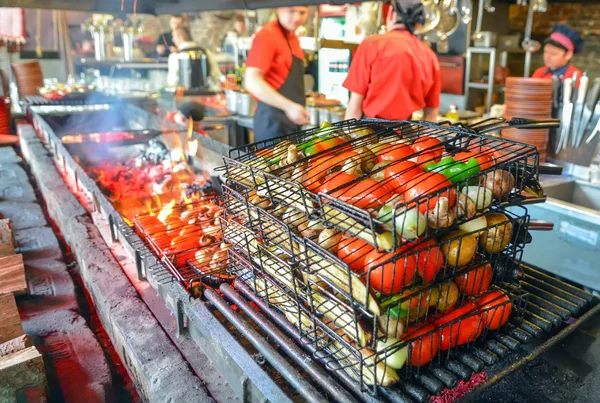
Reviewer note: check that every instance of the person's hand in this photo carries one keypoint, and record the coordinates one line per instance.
(173, 49)
(161, 49)
(298, 114)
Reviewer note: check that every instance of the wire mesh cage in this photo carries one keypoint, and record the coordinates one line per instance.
(390, 360)
(344, 303)
(413, 179)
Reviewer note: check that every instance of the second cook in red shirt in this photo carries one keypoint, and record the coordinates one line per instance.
(395, 74)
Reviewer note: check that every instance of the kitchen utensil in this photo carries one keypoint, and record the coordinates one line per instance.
(485, 39)
(596, 128)
(590, 104)
(578, 108)
(231, 100)
(245, 104)
(566, 114)
(555, 95)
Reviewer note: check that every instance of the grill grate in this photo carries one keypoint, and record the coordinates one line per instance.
(188, 243)
(499, 354)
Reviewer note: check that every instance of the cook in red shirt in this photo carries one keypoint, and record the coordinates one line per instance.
(395, 74)
(559, 49)
(275, 75)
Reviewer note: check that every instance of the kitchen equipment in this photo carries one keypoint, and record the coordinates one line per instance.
(337, 114)
(194, 68)
(246, 104)
(596, 129)
(578, 109)
(324, 114)
(528, 98)
(590, 104)
(522, 342)
(566, 115)
(556, 95)
(231, 99)
(509, 42)
(313, 111)
(485, 39)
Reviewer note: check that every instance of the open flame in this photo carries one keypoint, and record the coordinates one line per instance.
(177, 156)
(166, 211)
(192, 147)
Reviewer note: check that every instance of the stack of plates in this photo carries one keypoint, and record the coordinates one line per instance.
(4, 117)
(528, 98)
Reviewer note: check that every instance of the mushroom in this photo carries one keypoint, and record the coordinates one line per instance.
(367, 157)
(500, 182)
(442, 216)
(466, 206)
(352, 166)
(378, 176)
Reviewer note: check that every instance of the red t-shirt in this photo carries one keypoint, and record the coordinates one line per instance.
(397, 74)
(543, 72)
(270, 53)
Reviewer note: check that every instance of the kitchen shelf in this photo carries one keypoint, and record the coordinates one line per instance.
(489, 86)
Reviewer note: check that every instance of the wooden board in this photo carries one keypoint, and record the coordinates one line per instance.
(22, 376)
(10, 322)
(7, 240)
(16, 344)
(12, 275)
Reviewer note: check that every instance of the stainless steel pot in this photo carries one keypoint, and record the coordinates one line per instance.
(231, 99)
(313, 111)
(324, 115)
(337, 114)
(245, 104)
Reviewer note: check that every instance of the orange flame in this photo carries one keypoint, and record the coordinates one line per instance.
(166, 211)
(190, 130)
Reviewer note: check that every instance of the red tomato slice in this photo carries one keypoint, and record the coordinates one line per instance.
(398, 174)
(425, 344)
(485, 158)
(495, 307)
(464, 330)
(429, 148)
(430, 260)
(395, 152)
(319, 168)
(391, 277)
(477, 281)
(428, 183)
(353, 252)
(365, 194)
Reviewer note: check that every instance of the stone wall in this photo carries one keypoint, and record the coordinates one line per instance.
(583, 17)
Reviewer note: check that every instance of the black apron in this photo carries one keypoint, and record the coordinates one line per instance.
(270, 122)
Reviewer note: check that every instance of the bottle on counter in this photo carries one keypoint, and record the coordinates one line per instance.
(452, 114)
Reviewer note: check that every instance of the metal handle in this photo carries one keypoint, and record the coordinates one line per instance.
(567, 90)
(593, 95)
(539, 225)
(522, 123)
(550, 169)
(582, 91)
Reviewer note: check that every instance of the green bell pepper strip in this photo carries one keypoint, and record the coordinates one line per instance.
(455, 171)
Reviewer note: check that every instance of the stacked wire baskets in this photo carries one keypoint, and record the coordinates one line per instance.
(382, 271)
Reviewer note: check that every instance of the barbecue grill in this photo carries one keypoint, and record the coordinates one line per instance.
(306, 356)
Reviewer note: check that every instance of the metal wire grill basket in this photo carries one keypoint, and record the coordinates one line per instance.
(370, 176)
(426, 346)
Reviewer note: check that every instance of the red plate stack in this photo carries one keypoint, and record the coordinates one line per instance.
(528, 98)
(4, 116)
